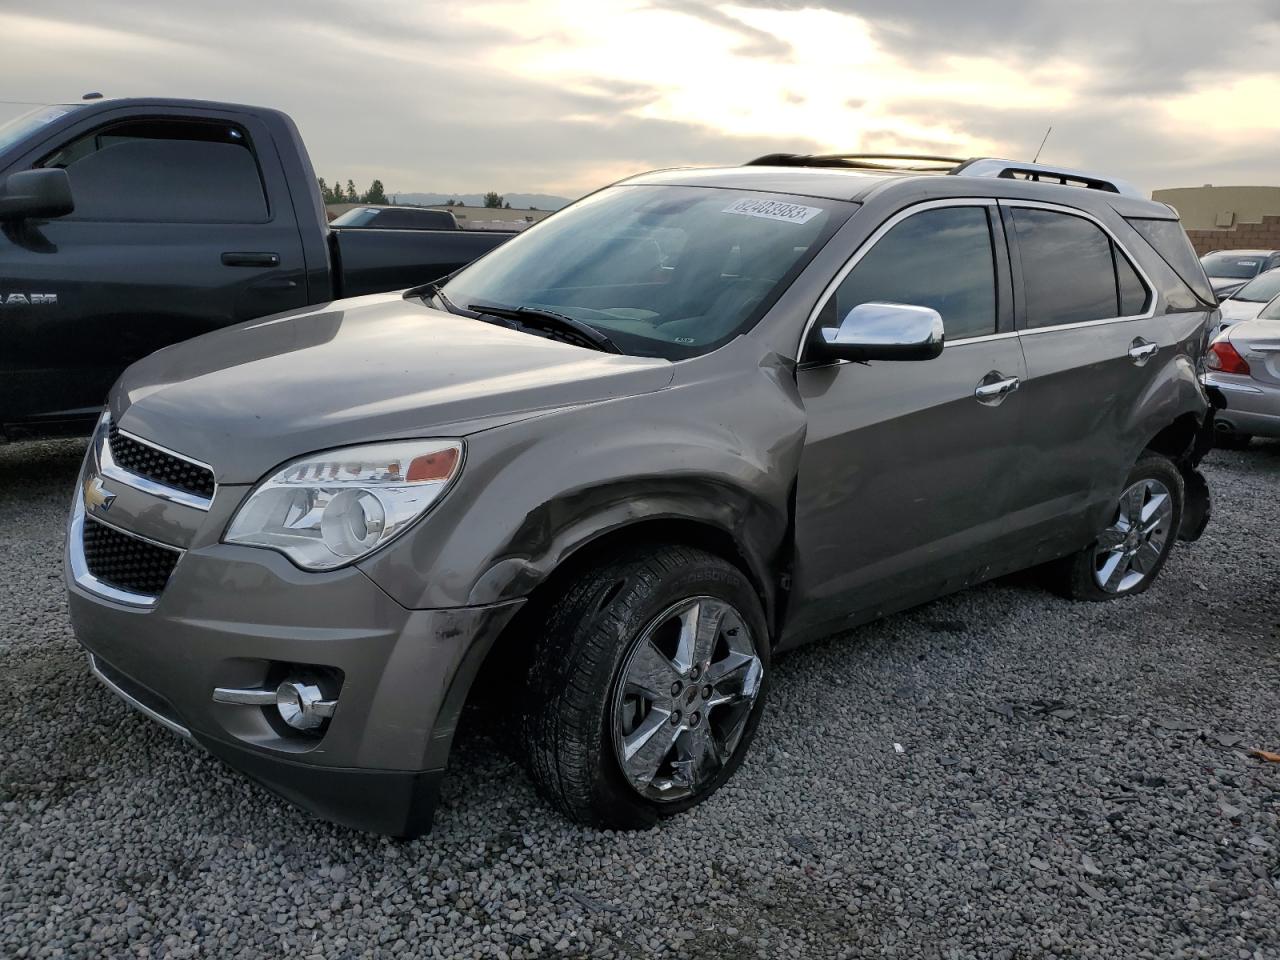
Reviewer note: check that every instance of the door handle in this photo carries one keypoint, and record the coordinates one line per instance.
(1140, 351)
(249, 259)
(992, 392)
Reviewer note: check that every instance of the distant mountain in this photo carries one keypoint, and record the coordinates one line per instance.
(519, 201)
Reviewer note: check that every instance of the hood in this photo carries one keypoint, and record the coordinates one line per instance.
(248, 397)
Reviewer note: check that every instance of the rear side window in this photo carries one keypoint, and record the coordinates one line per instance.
(937, 258)
(1169, 240)
(164, 171)
(1072, 272)
(1067, 272)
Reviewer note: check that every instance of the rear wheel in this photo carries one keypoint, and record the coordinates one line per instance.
(646, 687)
(1131, 551)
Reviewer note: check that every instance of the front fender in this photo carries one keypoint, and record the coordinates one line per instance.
(719, 451)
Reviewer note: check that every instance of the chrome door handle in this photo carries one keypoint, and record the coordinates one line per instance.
(994, 392)
(1140, 351)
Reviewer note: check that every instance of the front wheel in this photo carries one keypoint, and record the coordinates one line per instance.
(1131, 551)
(646, 687)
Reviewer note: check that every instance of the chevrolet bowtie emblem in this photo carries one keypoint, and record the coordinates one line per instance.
(96, 495)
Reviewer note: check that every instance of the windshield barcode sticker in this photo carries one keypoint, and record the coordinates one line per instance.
(773, 210)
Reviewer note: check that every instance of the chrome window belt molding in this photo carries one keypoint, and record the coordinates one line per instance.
(108, 467)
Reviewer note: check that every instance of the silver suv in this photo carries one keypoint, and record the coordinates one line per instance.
(691, 421)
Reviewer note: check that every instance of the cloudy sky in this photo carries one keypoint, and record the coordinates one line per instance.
(562, 96)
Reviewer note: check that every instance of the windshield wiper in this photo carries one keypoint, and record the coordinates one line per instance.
(523, 315)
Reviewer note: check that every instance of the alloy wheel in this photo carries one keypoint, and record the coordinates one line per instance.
(1130, 549)
(684, 698)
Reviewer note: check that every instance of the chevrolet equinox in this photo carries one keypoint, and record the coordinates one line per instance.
(691, 421)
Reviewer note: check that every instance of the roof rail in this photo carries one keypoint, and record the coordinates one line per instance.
(1044, 173)
(909, 162)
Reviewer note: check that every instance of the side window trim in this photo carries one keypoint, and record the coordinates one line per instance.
(1117, 248)
(1003, 279)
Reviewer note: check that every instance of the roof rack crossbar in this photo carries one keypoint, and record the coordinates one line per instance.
(1042, 173)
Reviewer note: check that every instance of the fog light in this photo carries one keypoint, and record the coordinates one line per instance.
(302, 705)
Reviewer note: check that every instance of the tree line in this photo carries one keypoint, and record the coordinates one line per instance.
(377, 194)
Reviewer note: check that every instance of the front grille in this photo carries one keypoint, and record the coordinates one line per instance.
(172, 471)
(125, 562)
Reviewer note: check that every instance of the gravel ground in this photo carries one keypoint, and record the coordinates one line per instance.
(1074, 780)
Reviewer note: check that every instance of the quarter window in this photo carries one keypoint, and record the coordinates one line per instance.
(164, 170)
(939, 258)
(1072, 272)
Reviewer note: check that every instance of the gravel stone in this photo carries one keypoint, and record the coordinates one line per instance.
(1001, 773)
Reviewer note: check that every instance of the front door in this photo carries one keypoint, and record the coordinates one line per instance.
(905, 476)
(172, 236)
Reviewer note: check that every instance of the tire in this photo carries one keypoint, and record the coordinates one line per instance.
(1225, 440)
(1138, 558)
(622, 620)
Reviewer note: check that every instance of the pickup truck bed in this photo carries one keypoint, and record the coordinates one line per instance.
(186, 216)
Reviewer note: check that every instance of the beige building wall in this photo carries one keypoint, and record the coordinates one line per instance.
(1227, 218)
(1221, 208)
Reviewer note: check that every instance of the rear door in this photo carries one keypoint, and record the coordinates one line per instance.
(1093, 348)
(904, 478)
(172, 235)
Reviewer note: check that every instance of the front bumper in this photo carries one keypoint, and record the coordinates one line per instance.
(237, 617)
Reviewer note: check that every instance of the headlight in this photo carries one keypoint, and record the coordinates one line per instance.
(332, 508)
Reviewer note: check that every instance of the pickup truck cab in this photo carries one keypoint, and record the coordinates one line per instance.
(129, 225)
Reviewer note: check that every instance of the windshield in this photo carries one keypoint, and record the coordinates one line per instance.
(663, 271)
(19, 127)
(1231, 265)
(1260, 289)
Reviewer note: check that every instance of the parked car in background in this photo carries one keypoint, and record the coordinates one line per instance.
(128, 225)
(1244, 368)
(1247, 302)
(690, 421)
(397, 218)
(1229, 270)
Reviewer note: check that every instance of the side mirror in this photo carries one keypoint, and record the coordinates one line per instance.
(36, 195)
(884, 331)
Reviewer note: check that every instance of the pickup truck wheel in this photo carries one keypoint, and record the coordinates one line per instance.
(1131, 551)
(646, 688)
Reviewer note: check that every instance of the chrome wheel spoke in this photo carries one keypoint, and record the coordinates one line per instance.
(648, 745)
(651, 673)
(1131, 504)
(1113, 571)
(1156, 509)
(1145, 560)
(699, 627)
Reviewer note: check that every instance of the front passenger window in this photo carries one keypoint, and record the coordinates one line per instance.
(938, 258)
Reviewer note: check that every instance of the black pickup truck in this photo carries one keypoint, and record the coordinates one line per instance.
(128, 225)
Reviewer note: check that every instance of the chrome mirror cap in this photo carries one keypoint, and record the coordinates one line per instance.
(885, 331)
